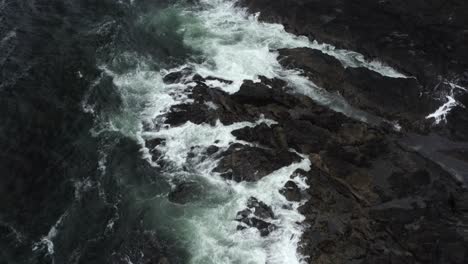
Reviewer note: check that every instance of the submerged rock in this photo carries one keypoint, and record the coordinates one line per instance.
(186, 192)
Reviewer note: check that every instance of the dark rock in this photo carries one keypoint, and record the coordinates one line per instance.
(177, 76)
(291, 191)
(385, 96)
(198, 78)
(305, 137)
(394, 31)
(245, 163)
(212, 150)
(211, 78)
(324, 70)
(254, 93)
(260, 209)
(195, 113)
(256, 215)
(361, 87)
(268, 136)
(153, 143)
(457, 121)
(460, 154)
(264, 227)
(371, 200)
(351, 208)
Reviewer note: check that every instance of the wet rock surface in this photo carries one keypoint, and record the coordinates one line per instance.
(245, 163)
(291, 191)
(423, 39)
(372, 197)
(256, 215)
(401, 99)
(186, 192)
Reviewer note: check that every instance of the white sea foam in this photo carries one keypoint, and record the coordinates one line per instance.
(210, 229)
(47, 241)
(239, 47)
(440, 115)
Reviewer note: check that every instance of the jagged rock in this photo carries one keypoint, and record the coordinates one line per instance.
(254, 93)
(291, 191)
(195, 113)
(260, 209)
(246, 163)
(371, 199)
(177, 76)
(394, 31)
(256, 215)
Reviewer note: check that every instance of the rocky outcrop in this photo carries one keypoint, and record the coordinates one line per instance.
(257, 215)
(424, 40)
(372, 198)
(245, 163)
(399, 99)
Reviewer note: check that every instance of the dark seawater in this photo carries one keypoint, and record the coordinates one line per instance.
(49, 163)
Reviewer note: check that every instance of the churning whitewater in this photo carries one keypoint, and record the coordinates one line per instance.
(227, 43)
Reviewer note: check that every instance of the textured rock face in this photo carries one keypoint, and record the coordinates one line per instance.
(257, 214)
(371, 199)
(423, 38)
(244, 163)
(402, 99)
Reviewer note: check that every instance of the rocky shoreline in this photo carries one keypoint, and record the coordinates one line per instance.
(424, 40)
(371, 198)
(374, 197)
(388, 191)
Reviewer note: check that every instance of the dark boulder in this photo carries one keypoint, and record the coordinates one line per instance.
(195, 113)
(254, 93)
(256, 215)
(291, 191)
(260, 209)
(246, 163)
(177, 76)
